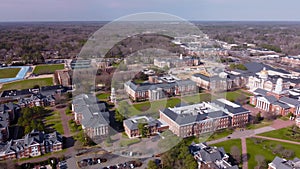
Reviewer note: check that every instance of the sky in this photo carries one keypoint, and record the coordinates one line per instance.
(109, 10)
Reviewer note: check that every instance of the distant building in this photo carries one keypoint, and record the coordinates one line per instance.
(63, 77)
(155, 90)
(153, 126)
(34, 144)
(176, 62)
(294, 60)
(80, 64)
(204, 117)
(223, 81)
(93, 116)
(266, 82)
(210, 157)
(280, 163)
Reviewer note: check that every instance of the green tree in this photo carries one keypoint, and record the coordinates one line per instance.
(143, 129)
(261, 162)
(152, 165)
(119, 117)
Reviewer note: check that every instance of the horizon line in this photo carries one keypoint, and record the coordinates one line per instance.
(45, 21)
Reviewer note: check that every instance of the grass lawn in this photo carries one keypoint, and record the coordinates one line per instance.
(197, 98)
(128, 142)
(284, 133)
(265, 148)
(103, 96)
(228, 144)
(9, 72)
(28, 83)
(220, 134)
(146, 108)
(54, 121)
(47, 69)
(264, 123)
(236, 95)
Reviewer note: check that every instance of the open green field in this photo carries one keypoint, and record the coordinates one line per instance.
(197, 98)
(9, 72)
(284, 133)
(54, 121)
(237, 95)
(228, 144)
(47, 69)
(27, 84)
(146, 108)
(265, 148)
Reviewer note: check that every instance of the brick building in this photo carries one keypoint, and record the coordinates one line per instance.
(93, 116)
(155, 90)
(34, 144)
(153, 126)
(204, 117)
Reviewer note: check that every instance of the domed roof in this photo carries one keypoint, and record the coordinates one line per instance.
(264, 71)
(263, 74)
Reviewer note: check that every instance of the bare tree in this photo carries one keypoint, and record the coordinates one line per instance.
(236, 154)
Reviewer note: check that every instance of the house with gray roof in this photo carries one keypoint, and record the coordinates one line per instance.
(92, 115)
(153, 126)
(8, 112)
(34, 144)
(280, 163)
(210, 157)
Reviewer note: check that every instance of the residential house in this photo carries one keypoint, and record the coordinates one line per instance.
(280, 163)
(8, 113)
(34, 144)
(209, 157)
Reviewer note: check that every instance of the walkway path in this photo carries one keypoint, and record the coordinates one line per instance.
(244, 153)
(277, 139)
(65, 119)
